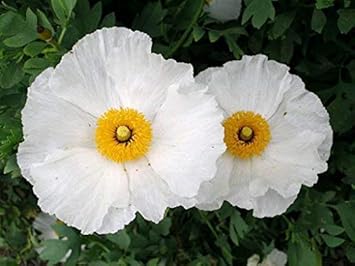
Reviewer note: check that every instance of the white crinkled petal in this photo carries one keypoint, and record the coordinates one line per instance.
(224, 10)
(79, 186)
(271, 204)
(150, 195)
(304, 110)
(188, 139)
(250, 84)
(211, 192)
(51, 123)
(116, 219)
(82, 77)
(143, 78)
(275, 258)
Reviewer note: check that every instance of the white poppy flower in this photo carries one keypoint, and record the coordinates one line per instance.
(115, 129)
(223, 10)
(277, 134)
(43, 224)
(275, 258)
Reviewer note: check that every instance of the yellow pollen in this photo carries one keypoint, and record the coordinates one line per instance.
(123, 135)
(246, 134)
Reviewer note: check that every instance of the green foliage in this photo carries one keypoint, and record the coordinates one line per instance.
(315, 38)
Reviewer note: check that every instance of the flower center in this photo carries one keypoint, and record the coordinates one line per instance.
(246, 134)
(123, 134)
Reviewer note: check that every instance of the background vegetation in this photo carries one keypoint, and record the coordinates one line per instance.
(315, 38)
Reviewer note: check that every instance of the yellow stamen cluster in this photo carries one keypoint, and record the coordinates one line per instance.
(123, 134)
(246, 134)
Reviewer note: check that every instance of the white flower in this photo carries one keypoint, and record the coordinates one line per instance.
(115, 129)
(43, 224)
(223, 10)
(277, 134)
(275, 258)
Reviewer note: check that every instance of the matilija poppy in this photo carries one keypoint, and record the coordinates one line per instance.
(277, 134)
(115, 129)
(223, 10)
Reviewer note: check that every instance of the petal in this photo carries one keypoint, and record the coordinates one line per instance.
(241, 176)
(143, 78)
(285, 166)
(251, 84)
(150, 194)
(50, 123)
(79, 186)
(304, 110)
(188, 139)
(224, 10)
(81, 77)
(276, 258)
(211, 193)
(43, 223)
(271, 204)
(116, 219)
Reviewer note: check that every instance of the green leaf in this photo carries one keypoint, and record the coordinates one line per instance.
(10, 75)
(346, 212)
(198, 33)
(282, 24)
(342, 108)
(301, 253)
(36, 64)
(44, 22)
(150, 19)
(214, 35)
(346, 20)
(11, 166)
(95, 16)
(11, 23)
(320, 4)
(109, 20)
(333, 229)
(233, 46)
(63, 9)
(54, 250)
(187, 13)
(34, 48)
(20, 39)
(259, 11)
(350, 254)
(31, 19)
(332, 241)
(163, 228)
(121, 238)
(318, 20)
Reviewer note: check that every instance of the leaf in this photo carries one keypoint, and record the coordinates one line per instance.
(332, 241)
(31, 18)
(259, 11)
(163, 228)
(233, 46)
(187, 14)
(20, 39)
(342, 108)
(150, 19)
(63, 9)
(11, 23)
(282, 24)
(318, 20)
(36, 64)
(121, 238)
(301, 253)
(198, 33)
(320, 4)
(346, 20)
(34, 48)
(44, 22)
(347, 216)
(350, 254)
(214, 35)
(54, 250)
(95, 16)
(333, 229)
(11, 75)
(109, 20)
